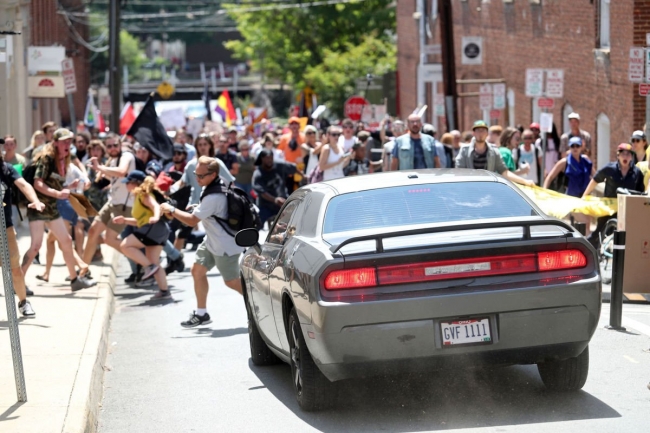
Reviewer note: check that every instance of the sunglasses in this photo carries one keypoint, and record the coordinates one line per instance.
(179, 153)
(636, 140)
(310, 133)
(202, 176)
(335, 134)
(575, 145)
(111, 146)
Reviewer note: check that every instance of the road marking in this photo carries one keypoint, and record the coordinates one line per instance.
(629, 358)
(641, 327)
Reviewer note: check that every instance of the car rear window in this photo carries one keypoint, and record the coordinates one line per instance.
(422, 204)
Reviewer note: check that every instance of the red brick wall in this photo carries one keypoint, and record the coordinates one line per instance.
(553, 34)
(49, 28)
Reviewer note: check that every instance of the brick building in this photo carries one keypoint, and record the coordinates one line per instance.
(589, 39)
(40, 24)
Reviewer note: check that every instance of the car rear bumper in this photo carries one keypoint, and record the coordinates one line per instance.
(527, 326)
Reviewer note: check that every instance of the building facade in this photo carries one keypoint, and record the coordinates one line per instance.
(589, 39)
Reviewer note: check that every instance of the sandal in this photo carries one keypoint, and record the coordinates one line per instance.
(42, 278)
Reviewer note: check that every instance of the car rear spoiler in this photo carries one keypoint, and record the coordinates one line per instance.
(379, 238)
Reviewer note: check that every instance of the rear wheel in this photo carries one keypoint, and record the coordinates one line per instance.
(260, 352)
(567, 375)
(313, 390)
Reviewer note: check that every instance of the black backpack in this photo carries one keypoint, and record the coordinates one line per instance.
(242, 214)
(17, 196)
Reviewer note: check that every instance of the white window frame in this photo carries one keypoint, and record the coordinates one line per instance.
(603, 145)
(604, 25)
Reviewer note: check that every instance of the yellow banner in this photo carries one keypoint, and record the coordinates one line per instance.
(560, 205)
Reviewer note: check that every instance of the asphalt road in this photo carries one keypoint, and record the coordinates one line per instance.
(163, 378)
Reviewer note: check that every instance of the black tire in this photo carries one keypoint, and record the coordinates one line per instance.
(260, 352)
(313, 390)
(568, 375)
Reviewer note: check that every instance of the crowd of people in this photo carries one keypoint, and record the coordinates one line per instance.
(81, 189)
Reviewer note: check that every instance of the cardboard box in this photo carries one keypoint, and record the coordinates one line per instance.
(634, 219)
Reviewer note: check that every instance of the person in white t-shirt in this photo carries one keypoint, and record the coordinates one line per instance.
(218, 247)
(121, 162)
(347, 140)
(529, 155)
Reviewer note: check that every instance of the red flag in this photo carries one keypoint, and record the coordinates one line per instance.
(101, 125)
(127, 117)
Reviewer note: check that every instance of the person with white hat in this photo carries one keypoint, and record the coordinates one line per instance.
(574, 122)
(639, 146)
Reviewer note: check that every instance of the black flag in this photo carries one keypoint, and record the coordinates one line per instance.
(206, 101)
(150, 133)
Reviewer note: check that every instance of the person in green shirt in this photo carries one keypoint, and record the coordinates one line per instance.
(508, 140)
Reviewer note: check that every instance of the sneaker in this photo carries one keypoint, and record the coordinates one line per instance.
(81, 283)
(146, 283)
(148, 273)
(161, 295)
(196, 320)
(26, 309)
(177, 265)
(28, 291)
(131, 278)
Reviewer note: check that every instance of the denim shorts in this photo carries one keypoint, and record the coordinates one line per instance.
(67, 211)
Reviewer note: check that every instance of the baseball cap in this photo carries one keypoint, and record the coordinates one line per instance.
(135, 176)
(479, 124)
(62, 134)
(575, 141)
(534, 125)
(154, 168)
(232, 129)
(639, 135)
(428, 128)
(574, 115)
(179, 148)
(624, 146)
(294, 119)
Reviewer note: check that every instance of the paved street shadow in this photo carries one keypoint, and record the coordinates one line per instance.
(439, 401)
(215, 333)
(23, 321)
(5, 416)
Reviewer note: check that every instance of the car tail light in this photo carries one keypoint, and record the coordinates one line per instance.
(454, 269)
(556, 260)
(351, 279)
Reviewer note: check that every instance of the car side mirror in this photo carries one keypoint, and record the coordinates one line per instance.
(248, 238)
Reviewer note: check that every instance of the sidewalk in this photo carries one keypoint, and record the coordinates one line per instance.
(63, 350)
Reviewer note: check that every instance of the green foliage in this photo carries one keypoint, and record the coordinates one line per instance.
(297, 45)
(334, 80)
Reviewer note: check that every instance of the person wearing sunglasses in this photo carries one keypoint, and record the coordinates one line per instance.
(639, 146)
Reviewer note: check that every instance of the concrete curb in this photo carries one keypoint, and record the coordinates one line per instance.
(87, 391)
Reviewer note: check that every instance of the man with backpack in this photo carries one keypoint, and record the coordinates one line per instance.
(218, 248)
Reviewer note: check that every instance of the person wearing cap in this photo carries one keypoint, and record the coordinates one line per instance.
(51, 168)
(577, 168)
(639, 146)
(537, 130)
(619, 174)
(121, 161)
(481, 156)
(291, 143)
(151, 232)
(269, 183)
(574, 122)
(414, 150)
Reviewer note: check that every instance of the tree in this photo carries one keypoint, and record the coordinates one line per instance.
(288, 44)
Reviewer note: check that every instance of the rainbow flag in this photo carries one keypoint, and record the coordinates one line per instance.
(225, 109)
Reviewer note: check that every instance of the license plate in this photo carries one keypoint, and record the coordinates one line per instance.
(468, 331)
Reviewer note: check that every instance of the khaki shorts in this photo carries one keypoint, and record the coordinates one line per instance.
(14, 254)
(228, 266)
(109, 211)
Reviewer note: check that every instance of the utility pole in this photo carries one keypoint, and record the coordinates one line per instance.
(114, 68)
(448, 63)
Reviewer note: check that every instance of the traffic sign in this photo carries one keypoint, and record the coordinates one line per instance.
(69, 78)
(432, 49)
(635, 68)
(495, 114)
(644, 89)
(545, 102)
(555, 83)
(647, 65)
(104, 97)
(165, 90)
(534, 82)
(354, 106)
(499, 93)
(485, 96)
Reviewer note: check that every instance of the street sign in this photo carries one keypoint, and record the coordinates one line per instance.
(555, 83)
(472, 50)
(545, 102)
(499, 94)
(439, 104)
(647, 65)
(534, 82)
(432, 49)
(354, 106)
(165, 90)
(485, 96)
(635, 70)
(104, 97)
(495, 114)
(69, 79)
(644, 89)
